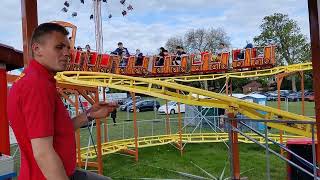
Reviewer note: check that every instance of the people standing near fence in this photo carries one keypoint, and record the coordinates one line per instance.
(114, 116)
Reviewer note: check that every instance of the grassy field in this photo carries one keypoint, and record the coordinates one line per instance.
(294, 107)
(156, 162)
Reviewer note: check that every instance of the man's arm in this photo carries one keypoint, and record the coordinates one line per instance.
(97, 111)
(79, 121)
(47, 159)
(115, 52)
(127, 52)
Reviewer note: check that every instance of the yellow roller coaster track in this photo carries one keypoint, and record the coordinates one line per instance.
(125, 144)
(188, 95)
(241, 74)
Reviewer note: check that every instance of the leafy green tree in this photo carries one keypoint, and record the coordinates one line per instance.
(292, 46)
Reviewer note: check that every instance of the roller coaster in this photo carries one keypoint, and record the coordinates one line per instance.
(125, 144)
(185, 94)
(204, 63)
(90, 69)
(172, 64)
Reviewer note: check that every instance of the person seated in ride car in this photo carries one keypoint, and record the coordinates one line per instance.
(88, 53)
(222, 48)
(241, 54)
(123, 53)
(139, 58)
(160, 60)
(196, 57)
(179, 53)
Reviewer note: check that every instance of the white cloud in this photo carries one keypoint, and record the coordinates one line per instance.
(144, 27)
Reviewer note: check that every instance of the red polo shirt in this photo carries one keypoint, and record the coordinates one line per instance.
(35, 110)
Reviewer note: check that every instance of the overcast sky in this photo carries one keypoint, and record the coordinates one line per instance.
(152, 22)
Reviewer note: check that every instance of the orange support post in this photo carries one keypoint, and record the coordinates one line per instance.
(135, 125)
(4, 123)
(180, 128)
(227, 86)
(279, 82)
(302, 92)
(105, 125)
(314, 19)
(98, 129)
(78, 132)
(235, 149)
(230, 87)
(168, 129)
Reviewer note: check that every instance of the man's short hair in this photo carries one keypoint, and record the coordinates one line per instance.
(47, 28)
(222, 44)
(44, 29)
(120, 43)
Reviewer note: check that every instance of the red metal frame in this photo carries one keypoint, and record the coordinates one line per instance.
(4, 124)
(29, 23)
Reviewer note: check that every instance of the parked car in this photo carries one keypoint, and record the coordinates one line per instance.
(295, 96)
(172, 108)
(145, 105)
(127, 104)
(271, 96)
(129, 99)
(310, 97)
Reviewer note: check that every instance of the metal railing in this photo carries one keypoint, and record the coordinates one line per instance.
(243, 122)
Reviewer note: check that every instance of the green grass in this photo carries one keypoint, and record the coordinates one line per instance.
(295, 107)
(209, 156)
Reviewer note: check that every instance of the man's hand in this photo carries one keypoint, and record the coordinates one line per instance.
(97, 111)
(102, 109)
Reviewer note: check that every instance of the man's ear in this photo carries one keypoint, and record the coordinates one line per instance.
(36, 49)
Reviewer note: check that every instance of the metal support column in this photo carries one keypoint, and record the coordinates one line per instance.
(4, 123)
(279, 82)
(105, 120)
(302, 92)
(133, 95)
(180, 128)
(227, 86)
(29, 14)
(168, 129)
(98, 129)
(78, 142)
(234, 147)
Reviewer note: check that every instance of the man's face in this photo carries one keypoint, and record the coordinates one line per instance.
(120, 46)
(53, 52)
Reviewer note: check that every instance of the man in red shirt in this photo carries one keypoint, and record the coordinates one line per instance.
(43, 128)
